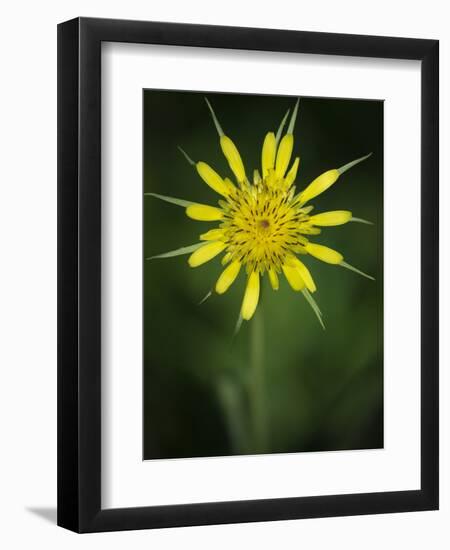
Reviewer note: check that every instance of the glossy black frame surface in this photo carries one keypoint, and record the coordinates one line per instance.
(79, 274)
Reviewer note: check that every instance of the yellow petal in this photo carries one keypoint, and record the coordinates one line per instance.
(292, 174)
(324, 253)
(308, 229)
(233, 157)
(230, 185)
(228, 277)
(273, 278)
(226, 258)
(212, 235)
(319, 185)
(251, 296)
(205, 253)
(271, 178)
(256, 177)
(284, 155)
(335, 217)
(212, 178)
(204, 213)
(268, 153)
(304, 274)
(293, 277)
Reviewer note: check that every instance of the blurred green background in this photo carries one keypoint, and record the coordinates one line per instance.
(323, 390)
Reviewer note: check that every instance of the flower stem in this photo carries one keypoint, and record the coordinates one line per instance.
(257, 404)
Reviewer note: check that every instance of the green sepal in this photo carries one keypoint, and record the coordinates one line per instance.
(281, 126)
(171, 200)
(177, 252)
(314, 306)
(360, 220)
(349, 165)
(351, 268)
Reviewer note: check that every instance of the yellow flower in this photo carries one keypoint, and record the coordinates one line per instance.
(264, 225)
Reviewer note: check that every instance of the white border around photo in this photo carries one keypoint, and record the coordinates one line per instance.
(128, 480)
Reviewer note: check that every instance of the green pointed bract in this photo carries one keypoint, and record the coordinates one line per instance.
(348, 266)
(237, 328)
(171, 200)
(349, 165)
(216, 122)
(281, 126)
(291, 126)
(186, 156)
(178, 252)
(203, 300)
(360, 220)
(314, 306)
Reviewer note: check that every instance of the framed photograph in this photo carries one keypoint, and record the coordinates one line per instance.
(248, 275)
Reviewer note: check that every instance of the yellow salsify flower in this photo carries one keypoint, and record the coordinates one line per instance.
(264, 224)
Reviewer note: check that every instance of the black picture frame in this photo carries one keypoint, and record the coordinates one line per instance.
(79, 274)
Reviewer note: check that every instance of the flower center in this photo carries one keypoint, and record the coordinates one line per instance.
(263, 226)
